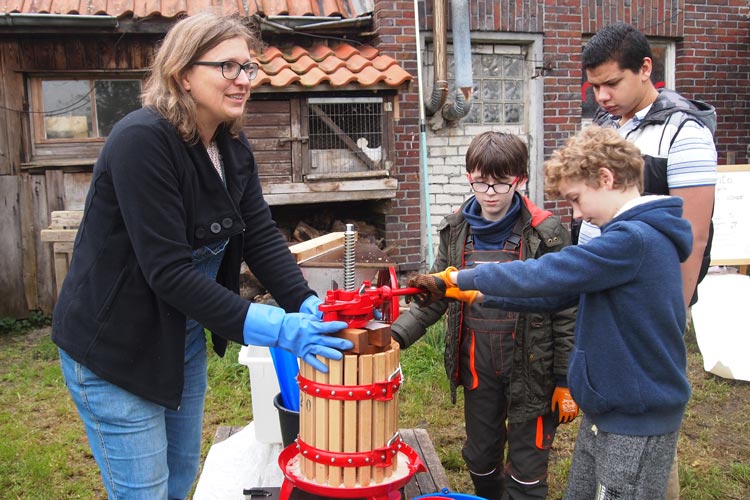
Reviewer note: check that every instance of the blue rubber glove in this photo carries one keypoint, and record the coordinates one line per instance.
(299, 333)
(310, 306)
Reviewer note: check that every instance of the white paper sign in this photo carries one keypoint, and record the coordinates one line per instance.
(731, 242)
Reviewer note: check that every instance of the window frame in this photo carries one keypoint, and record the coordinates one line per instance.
(44, 147)
(388, 112)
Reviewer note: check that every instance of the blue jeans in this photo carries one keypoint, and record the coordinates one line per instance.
(146, 451)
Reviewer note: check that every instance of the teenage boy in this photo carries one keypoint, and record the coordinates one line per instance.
(627, 371)
(673, 133)
(488, 350)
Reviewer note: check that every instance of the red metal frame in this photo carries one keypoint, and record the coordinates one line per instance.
(388, 490)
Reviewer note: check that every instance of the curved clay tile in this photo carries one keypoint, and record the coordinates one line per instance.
(312, 78)
(260, 79)
(274, 66)
(167, 8)
(332, 8)
(66, 7)
(357, 63)
(344, 51)
(320, 51)
(341, 77)
(368, 51)
(147, 8)
(303, 64)
(396, 76)
(383, 62)
(331, 64)
(273, 7)
(369, 76)
(41, 6)
(270, 53)
(122, 7)
(229, 7)
(285, 78)
(293, 53)
(300, 7)
(11, 6)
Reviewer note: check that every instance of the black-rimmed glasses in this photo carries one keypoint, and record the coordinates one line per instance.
(498, 187)
(231, 69)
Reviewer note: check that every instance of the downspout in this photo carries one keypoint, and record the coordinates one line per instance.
(423, 141)
(462, 59)
(440, 87)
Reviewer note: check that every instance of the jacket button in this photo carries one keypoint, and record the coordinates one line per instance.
(200, 232)
(227, 223)
(215, 227)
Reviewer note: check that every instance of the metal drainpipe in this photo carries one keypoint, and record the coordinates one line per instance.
(423, 141)
(440, 85)
(462, 59)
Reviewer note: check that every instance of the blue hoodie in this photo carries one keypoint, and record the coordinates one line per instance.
(627, 371)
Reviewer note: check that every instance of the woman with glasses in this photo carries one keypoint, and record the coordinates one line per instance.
(174, 206)
(512, 367)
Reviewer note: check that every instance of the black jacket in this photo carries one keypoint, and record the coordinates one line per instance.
(131, 283)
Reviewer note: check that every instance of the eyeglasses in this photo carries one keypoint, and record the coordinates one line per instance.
(498, 187)
(231, 69)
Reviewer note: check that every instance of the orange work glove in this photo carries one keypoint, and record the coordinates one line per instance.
(468, 296)
(563, 404)
(434, 286)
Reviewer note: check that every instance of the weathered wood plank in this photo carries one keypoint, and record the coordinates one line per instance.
(13, 303)
(317, 246)
(435, 478)
(53, 235)
(65, 219)
(45, 285)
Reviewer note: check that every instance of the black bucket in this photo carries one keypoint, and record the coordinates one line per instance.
(288, 421)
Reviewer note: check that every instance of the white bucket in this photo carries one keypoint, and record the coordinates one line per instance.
(264, 386)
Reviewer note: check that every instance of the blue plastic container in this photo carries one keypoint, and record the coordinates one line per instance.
(446, 493)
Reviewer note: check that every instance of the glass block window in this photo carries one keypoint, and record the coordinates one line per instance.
(500, 74)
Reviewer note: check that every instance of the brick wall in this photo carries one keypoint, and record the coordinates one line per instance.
(713, 64)
(396, 38)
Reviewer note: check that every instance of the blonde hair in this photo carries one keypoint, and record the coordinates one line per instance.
(185, 43)
(589, 150)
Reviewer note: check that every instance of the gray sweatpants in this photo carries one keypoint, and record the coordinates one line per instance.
(610, 466)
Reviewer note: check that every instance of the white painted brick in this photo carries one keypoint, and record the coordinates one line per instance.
(442, 151)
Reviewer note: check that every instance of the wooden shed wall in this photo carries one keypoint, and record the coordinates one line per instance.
(28, 191)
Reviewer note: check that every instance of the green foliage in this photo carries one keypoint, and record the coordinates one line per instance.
(18, 326)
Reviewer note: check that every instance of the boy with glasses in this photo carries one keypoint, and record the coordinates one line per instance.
(512, 366)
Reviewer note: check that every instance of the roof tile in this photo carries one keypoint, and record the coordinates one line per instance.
(171, 8)
(304, 64)
(339, 65)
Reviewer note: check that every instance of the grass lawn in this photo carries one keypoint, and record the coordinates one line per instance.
(44, 454)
